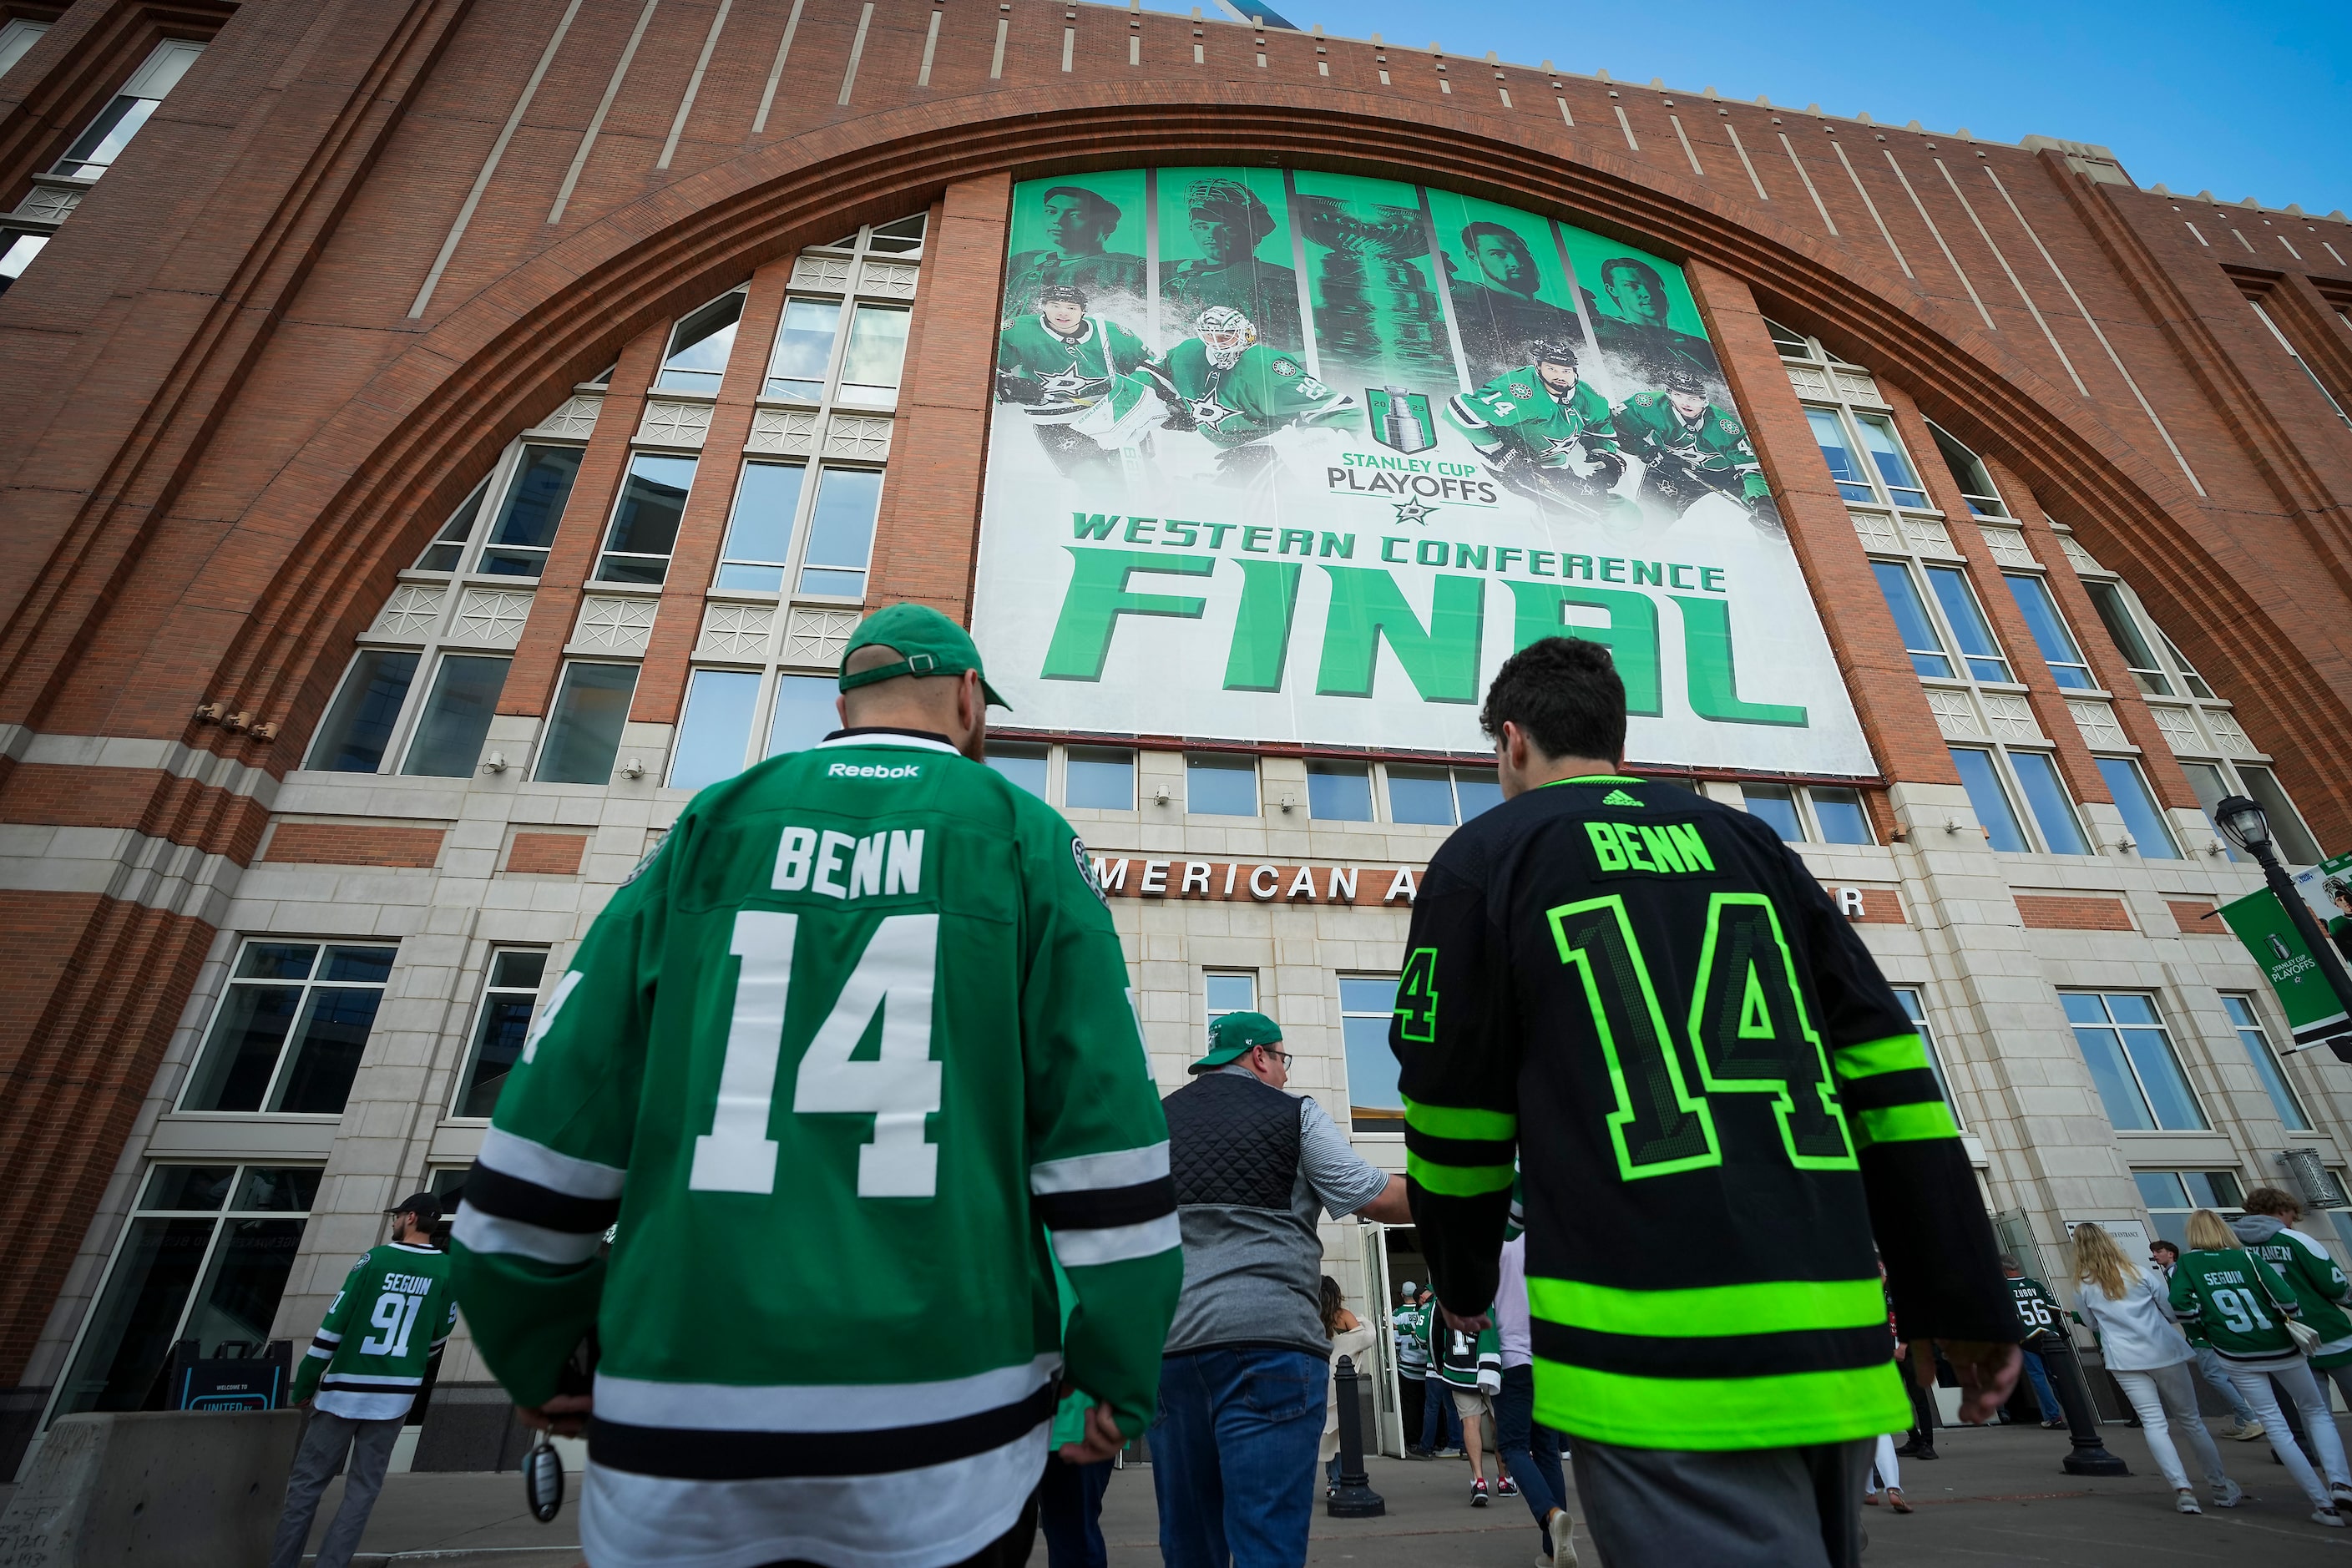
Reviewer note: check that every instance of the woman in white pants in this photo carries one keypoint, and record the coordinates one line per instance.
(1885, 1470)
(2240, 1304)
(2150, 1358)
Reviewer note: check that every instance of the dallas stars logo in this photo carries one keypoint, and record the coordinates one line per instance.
(1557, 446)
(1069, 385)
(1412, 511)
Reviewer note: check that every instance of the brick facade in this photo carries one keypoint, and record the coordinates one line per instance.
(365, 243)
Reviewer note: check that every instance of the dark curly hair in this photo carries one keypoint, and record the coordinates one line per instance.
(1333, 1303)
(1565, 694)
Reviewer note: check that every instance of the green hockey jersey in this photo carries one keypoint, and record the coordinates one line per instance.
(1518, 409)
(1660, 985)
(1715, 446)
(2234, 1303)
(1467, 1361)
(2321, 1290)
(1410, 1325)
(395, 1311)
(1036, 364)
(2038, 1311)
(844, 1060)
(1263, 390)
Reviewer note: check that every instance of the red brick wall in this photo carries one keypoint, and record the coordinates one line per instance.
(2041, 912)
(546, 854)
(354, 844)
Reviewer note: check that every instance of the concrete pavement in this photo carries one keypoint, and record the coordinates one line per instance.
(1997, 1496)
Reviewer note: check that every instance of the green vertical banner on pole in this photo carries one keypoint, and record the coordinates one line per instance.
(2312, 1009)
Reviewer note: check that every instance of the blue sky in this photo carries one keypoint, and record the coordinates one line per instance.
(2247, 101)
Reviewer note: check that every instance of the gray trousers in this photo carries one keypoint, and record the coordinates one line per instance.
(1758, 1508)
(324, 1442)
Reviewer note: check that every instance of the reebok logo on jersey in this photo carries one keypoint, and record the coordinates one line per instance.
(1617, 798)
(873, 771)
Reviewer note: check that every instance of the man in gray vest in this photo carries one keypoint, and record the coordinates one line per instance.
(1242, 1387)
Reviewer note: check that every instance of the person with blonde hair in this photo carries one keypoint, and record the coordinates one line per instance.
(2239, 1304)
(2150, 1358)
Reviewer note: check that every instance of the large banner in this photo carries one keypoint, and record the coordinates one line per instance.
(1297, 456)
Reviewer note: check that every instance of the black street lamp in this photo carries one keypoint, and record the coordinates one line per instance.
(2245, 825)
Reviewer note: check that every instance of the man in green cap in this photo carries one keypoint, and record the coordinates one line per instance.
(1241, 1391)
(862, 1015)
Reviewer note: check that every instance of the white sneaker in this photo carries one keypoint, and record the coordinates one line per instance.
(2228, 1494)
(2339, 1492)
(2248, 1431)
(2328, 1517)
(2184, 1502)
(1563, 1541)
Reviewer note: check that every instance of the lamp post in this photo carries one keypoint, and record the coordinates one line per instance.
(2245, 825)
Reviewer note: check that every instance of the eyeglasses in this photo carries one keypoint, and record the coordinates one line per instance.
(1282, 1057)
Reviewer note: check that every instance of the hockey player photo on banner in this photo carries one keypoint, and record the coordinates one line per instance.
(1290, 456)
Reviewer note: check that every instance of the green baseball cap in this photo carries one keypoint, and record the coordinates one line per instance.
(1235, 1036)
(928, 643)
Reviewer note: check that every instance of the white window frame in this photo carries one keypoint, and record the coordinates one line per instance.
(231, 982)
(2173, 1047)
(1809, 824)
(491, 992)
(671, 348)
(2261, 1028)
(1922, 1021)
(1393, 1121)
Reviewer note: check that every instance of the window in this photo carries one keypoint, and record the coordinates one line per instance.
(2050, 633)
(1229, 993)
(359, 724)
(2123, 628)
(205, 1257)
(715, 731)
(1914, 1007)
(805, 712)
(2130, 1056)
(1440, 797)
(515, 974)
(1219, 785)
(290, 1027)
(1791, 343)
(903, 237)
(1818, 814)
(448, 547)
(645, 524)
(2257, 1041)
(2046, 797)
(1887, 456)
(2190, 678)
(1367, 1007)
(2137, 802)
(17, 253)
(2300, 362)
(95, 149)
(1098, 778)
(1024, 763)
(1339, 791)
(457, 717)
(534, 506)
(584, 731)
(1966, 617)
(1988, 797)
(16, 41)
(2171, 1196)
(759, 533)
(699, 346)
(1837, 451)
(870, 365)
(1920, 639)
(2213, 787)
(2296, 844)
(803, 351)
(841, 531)
(1969, 474)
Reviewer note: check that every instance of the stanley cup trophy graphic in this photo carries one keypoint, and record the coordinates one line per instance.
(1376, 312)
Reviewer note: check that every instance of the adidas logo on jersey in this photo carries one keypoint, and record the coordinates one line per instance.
(1617, 798)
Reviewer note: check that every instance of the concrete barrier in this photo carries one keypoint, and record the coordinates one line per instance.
(176, 1488)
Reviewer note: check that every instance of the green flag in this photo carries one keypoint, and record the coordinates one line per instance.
(2263, 924)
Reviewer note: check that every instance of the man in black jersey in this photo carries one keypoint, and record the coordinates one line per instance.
(1659, 992)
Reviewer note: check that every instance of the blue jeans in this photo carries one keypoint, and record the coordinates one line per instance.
(2043, 1393)
(1069, 1508)
(1438, 1418)
(1530, 1451)
(1232, 1456)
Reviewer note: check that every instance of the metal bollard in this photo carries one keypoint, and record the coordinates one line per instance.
(1355, 1498)
(2089, 1456)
